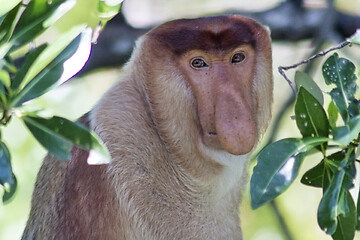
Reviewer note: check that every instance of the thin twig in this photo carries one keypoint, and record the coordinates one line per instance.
(282, 69)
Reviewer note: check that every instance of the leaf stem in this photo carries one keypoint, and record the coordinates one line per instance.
(282, 69)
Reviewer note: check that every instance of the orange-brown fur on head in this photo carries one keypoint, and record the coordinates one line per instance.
(178, 149)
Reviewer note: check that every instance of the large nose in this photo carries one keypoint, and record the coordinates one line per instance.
(234, 119)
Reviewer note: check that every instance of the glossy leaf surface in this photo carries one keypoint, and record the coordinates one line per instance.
(48, 55)
(335, 203)
(328, 207)
(277, 167)
(7, 178)
(314, 176)
(310, 116)
(341, 72)
(58, 135)
(50, 76)
(33, 19)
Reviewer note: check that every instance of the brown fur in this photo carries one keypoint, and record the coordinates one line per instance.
(164, 181)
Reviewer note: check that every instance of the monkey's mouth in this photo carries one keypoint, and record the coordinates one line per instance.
(212, 133)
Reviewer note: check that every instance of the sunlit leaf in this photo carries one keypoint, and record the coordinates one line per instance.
(108, 9)
(77, 61)
(50, 53)
(9, 22)
(7, 6)
(60, 11)
(302, 79)
(5, 78)
(7, 27)
(64, 66)
(333, 114)
(278, 161)
(35, 20)
(29, 60)
(7, 178)
(314, 176)
(310, 116)
(58, 135)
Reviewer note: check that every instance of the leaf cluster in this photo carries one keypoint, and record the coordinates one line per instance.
(336, 139)
(21, 22)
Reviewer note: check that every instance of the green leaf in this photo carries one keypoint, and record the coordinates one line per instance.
(331, 164)
(302, 79)
(36, 19)
(49, 136)
(358, 212)
(310, 116)
(58, 135)
(5, 78)
(277, 167)
(29, 60)
(346, 134)
(108, 9)
(328, 207)
(9, 193)
(48, 55)
(340, 103)
(335, 201)
(64, 66)
(347, 219)
(333, 114)
(7, 178)
(354, 108)
(341, 72)
(7, 27)
(7, 6)
(314, 176)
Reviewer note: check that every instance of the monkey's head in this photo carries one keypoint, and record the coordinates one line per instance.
(219, 66)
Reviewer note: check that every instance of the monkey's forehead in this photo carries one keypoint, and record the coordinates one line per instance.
(207, 34)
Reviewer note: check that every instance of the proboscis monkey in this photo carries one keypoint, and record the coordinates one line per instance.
(191, 104)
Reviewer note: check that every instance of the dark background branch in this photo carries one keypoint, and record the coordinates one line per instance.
(289, 21)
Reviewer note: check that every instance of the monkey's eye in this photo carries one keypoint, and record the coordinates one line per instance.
(198, 63)
(238, 57)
